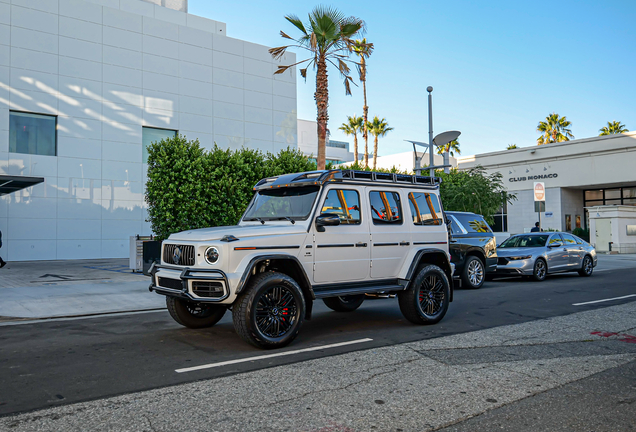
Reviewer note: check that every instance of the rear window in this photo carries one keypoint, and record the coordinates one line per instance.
(472, 223)
(425, 209)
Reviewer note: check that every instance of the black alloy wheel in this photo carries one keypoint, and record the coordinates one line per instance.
(426, 301)
(344, 303)
(540, 270)
(194, 315)
(270, 311)
(587, 267)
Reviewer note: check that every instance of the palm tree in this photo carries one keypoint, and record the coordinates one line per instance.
(378, 128)
(328, 38)
(452, 147)
(363, 49)
(554, 129)
(352, 127)
(614, 127)
(511, 147)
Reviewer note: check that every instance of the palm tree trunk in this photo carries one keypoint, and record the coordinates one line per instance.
(365, 110)
(355, 148)
(375, 152)
(322, 102)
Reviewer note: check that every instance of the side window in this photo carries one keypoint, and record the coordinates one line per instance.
(385, 207)
(555, 239)
(473, 223)
(456, 228)
(568, 239)
(345, 203)
(425, 208)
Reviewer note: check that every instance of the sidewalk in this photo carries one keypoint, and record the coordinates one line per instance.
(47, 289)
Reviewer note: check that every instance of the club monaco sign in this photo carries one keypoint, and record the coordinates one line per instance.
(533, 177)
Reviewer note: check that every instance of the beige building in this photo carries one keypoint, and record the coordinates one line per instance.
(579, 175)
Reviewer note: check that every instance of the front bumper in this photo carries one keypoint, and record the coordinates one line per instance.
(516, 267)
(199, 285)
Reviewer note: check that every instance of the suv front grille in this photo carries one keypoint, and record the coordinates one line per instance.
(207, 289)
(186, 255)
(170, 283)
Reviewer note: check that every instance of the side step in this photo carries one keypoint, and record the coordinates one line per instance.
(357, 290)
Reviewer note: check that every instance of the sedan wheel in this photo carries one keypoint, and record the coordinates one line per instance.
(587, 267)
(540, 270)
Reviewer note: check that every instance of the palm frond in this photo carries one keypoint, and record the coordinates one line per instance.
(296, 22)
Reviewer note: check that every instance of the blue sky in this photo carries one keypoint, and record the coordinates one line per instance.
(497, 68)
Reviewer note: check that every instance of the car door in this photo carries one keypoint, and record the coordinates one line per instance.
(575, 251)
(558, 257)
(341, 253)
(390, 236)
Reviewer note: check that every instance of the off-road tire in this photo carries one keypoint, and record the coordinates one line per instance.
(473, 267)
(182, 312)
(344, 303)
(262, 288)
(414, 300)
(539, 273)
(587, 266)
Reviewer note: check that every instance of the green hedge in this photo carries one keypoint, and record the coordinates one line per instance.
(189, 187)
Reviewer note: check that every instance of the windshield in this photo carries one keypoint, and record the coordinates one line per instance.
(525, 241)
(295, 203)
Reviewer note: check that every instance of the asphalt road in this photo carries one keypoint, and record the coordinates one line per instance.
(59, 362)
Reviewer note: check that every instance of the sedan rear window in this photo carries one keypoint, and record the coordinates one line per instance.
(525, 241)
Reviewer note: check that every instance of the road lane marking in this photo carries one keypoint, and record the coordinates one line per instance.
(267, 356)
(604, 300)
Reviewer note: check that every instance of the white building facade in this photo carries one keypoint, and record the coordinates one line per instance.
(86, 84)
(336, 152)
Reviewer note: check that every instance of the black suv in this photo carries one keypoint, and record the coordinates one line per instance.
(473, 247)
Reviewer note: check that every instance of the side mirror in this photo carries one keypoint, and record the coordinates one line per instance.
(326, 219)
(555, 245)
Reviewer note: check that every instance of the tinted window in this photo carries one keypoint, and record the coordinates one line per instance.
(385, 207)
(473, 223)
(425, 209)
(32, 134)
(455, 228)
(556, 238)
(278, 204)
(568, 239)
(521, 241)
(344, 203)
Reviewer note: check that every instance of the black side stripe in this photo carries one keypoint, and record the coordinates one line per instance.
(335, 245)
(386, 244)
(265, 247)
(427, 243)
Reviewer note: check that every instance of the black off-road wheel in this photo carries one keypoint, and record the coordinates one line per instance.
(474, 273)
(587, 267)
(269, 313)
(426, 300)
(344, 303)
(194, 315)
(540, 270)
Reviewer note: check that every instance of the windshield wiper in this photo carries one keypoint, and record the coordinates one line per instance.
(286, 218)
(255, 219)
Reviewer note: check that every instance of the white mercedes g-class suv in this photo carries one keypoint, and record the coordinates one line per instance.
(331, 235)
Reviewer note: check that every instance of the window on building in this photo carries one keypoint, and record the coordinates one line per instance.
(500, 220)
(568, 222)
(425, 209)
(32, 133)
(345, 203)
(577, 221)
(151, 135)
(386, 208)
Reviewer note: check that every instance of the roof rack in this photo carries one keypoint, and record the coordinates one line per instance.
(314, 178)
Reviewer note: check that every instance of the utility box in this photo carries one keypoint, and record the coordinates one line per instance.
(613, 228)
(137, 248)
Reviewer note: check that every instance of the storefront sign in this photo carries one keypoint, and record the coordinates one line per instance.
(533, 177)
(539, 191)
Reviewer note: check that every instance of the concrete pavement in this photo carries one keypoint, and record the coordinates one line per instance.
(425, 385)
(48, 289)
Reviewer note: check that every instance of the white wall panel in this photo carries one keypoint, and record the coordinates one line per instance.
(116, 248)
(228, 127)
(122, 57)
(116, 94)
(33, 208)
(121, 210)
(32, 165)
(259, 68)
(257, 52)
(122, 38)
(121, 132)
(193, 36)
(285, 89)
(5, 32)
(201, 23)
(161, 65)
(30, 250)
(34, 101)
(227, 78)
(228, 45)
(161, 100)
(79, 148)
(121, 190)
(195, 72)
(32, 80)
(197, 123)
(123, 171)
(80, 107)
(81, 10)
(198, 106)
(76, 48)
(195, 54)
(79, 229)
(122, 20)
(42, 5)
(5, 55)
(158, 82)
(79, 188)
(170, 16)
(79, 128)
(160, 29)
(79, 168)
(137, 7)
(161, 119)
(231, 111)
(258, 84)
(122, 113)
(79, 249)
(195, 89)
(119, 229)
(258, 131)
(77, 87)
(73, 208)
(123, 152)
(160, 47)
(77, 68)
(32, 60)
(258, 115)
(5, 13)
(33, 40)
(227, 61)
(258, 100)
(30, 229)
(79, 29)
(227, 94)
(34, 19)
(284, 104)
(122, 76)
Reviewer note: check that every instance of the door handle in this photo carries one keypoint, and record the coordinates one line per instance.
(404, 243)
(565, 250)
(361, 244)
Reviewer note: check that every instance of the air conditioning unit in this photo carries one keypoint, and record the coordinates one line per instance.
(137, 252)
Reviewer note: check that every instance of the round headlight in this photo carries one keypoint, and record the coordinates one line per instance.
(211, 255)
